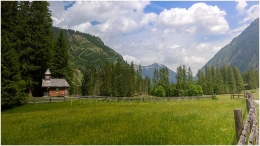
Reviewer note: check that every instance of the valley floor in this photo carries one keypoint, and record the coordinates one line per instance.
(90, 122)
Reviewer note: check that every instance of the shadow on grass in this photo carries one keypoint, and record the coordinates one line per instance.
(234, 141)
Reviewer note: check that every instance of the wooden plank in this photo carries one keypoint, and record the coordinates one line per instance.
(248, 105)
(252, 134)
(238, 122)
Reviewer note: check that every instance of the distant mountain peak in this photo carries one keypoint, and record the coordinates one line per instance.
(149, 71)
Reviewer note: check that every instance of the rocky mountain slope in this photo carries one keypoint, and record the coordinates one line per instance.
(242, 51)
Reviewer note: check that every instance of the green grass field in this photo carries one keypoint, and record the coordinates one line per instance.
(89, 122)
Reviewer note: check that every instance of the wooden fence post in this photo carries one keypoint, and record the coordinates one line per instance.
(33, 99)
(50, 99)
(248, 106)
(238, 122)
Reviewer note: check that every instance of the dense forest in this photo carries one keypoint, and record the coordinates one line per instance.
(223, 80)
(227, 79)
(28, 49)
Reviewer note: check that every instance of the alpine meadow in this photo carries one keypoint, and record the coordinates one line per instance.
(129, 73)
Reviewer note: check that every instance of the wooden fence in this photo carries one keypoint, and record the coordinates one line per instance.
(248, 132)
(141, 98)
(48, 99)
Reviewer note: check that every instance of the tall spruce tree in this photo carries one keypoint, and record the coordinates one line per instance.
(231, 80)
(179, 77)
(60, 66)
(132, 76)
(219, 82)
(12, 85)
(224, 71)
(184, 76)
(190, 76)
(87, 80)
(42, 41)
(106, 87)
(238, 80)
(119, 79)
(10, 20)
(113, 81)
(208, 88)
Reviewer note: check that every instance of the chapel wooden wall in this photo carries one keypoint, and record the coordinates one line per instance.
(62, 92)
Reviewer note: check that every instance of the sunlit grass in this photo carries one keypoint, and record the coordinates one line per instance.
(190, 121)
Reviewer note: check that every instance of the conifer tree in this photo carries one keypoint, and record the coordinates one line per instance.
(106, 88)
(10, 21)
(184, 76)
(12, 85)
(113, 81)
(119, 79)
(238, 80)
(179, 77)
(224, 71)
(231, 80)
(42, 41)
(87, 80)
(156, 78)
(208, 87)
(219, 82)
(189, 74)
(132, 76)
(59, 62)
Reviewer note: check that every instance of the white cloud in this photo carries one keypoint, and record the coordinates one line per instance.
(199, 18)
(241, 4)
(130, 59)
(149, 18)
(237, 31)
(88, 11)
(83, 26)
(252, 13)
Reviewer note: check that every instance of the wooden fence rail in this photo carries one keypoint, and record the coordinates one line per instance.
(250, 126)
(61, 99)
(47, 99)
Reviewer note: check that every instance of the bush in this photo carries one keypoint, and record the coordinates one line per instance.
(195, 90)
(159, 91)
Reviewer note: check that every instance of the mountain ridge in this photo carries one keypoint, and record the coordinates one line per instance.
(242, 51)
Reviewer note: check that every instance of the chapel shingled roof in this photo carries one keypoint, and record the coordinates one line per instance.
(55, 83)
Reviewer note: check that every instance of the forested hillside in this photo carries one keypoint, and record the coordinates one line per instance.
(85, 48)
(242, 51)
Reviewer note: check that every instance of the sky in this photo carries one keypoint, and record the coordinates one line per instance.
(172, 33)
